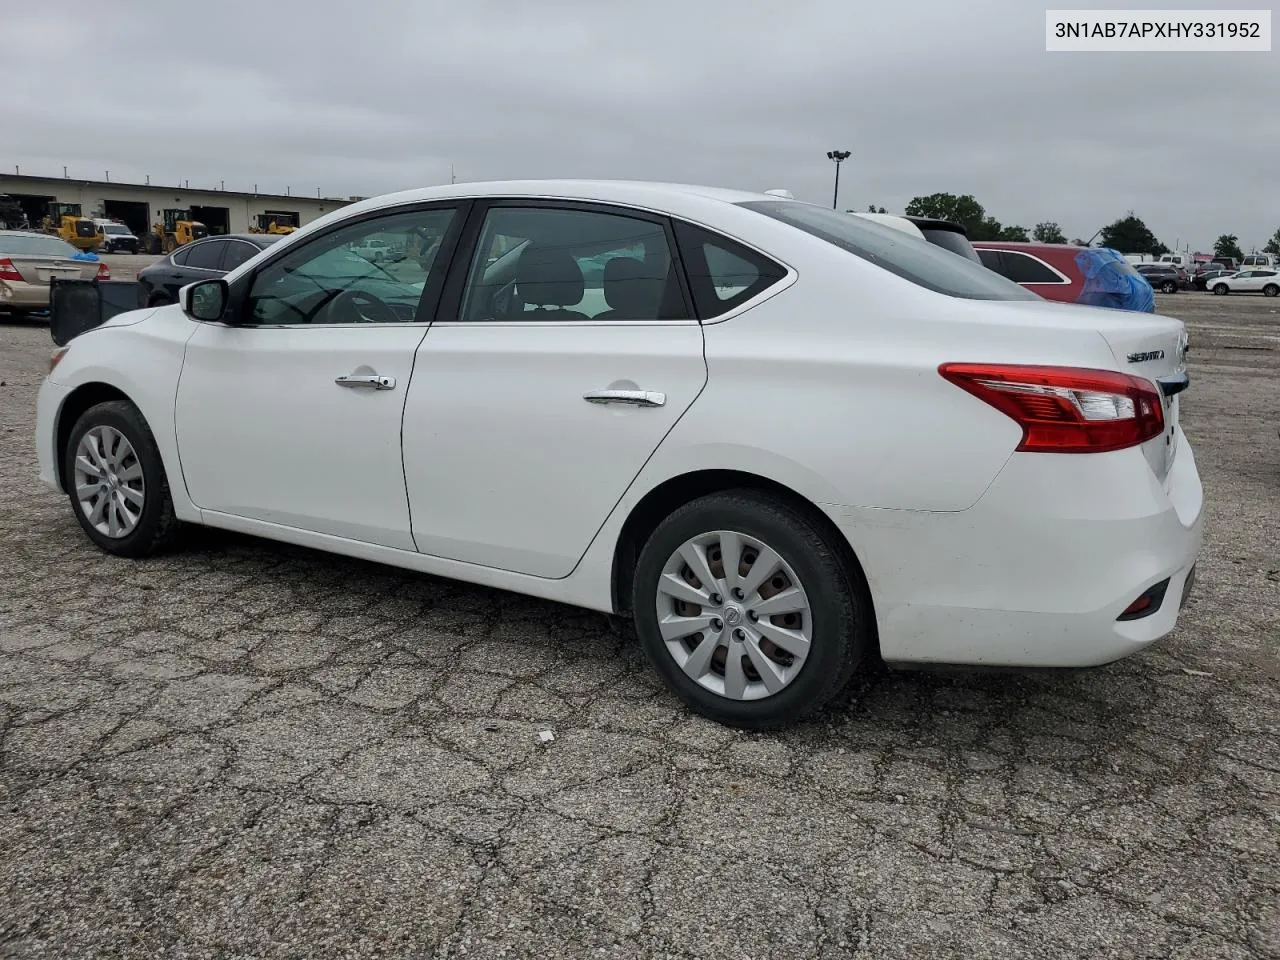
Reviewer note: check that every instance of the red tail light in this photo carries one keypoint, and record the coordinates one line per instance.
(8, 271)
(104, 272)
(1066, 409)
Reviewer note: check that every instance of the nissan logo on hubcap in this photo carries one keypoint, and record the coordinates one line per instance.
(732, 616)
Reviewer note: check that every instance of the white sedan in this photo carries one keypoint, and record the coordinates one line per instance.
(782, 439)
(1264, 281)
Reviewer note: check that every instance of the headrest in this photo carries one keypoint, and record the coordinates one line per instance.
(548, 277)
(631, 288)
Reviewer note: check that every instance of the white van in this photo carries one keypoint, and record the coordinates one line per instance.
(1264, 261)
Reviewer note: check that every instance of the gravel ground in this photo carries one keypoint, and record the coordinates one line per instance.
(250, 750)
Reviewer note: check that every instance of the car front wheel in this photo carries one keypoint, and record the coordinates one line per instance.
(1168, 287)
(748, 610)
(115, 479)
(1220, 289)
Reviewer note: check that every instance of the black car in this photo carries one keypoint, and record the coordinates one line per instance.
(1203, 278)
(1165, 277)
(202, 259)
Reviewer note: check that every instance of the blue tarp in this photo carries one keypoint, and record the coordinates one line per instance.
(1111, 281)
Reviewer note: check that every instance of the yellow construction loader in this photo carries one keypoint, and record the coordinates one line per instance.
(177, 230)
(266, 223)
(80, 232)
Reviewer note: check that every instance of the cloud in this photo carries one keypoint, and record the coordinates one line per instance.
(928, 95)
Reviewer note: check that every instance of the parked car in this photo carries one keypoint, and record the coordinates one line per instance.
(1164, 276)
(1266, 282)
(1010, 485)
(30, 261)
(943, 233)
(200, 260)
(1229, 263)
(1070, 273)
(1203, 278)
(114, 237)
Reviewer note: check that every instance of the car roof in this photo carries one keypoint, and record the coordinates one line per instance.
(1030, 245)
(672, 197)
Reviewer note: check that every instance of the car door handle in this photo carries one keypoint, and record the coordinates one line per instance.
(638, 398)
(372, 380)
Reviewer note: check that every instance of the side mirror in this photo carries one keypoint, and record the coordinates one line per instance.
(206, 300)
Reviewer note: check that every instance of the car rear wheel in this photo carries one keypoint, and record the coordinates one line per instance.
(1270, 290)
(116, 482)
(159, 300)
(748, 611)
(1168, 287)
(1220, 289)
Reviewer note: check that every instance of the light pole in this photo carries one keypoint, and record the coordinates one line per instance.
(839, 156)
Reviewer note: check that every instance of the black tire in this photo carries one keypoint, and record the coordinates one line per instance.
(160, 300)
(1270, 290)
(157, 523)
(841, 629)
(1168, 287)
(1221, 289)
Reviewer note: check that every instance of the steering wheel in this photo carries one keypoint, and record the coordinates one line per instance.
(358, 306)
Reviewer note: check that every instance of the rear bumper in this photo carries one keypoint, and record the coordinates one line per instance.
(24, 296)
(1036, 573)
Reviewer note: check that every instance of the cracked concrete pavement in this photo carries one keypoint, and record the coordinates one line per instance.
(244, 749)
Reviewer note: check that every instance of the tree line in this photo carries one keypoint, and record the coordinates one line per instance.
(1128, 234)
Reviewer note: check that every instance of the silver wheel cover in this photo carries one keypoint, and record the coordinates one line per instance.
(734, 615)
(108, 481)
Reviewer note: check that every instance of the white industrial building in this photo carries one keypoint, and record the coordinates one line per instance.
(140, 205)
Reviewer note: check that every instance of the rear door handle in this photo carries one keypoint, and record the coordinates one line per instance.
(371, 381)
(637, 398)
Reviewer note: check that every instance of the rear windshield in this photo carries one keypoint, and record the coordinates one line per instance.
(923, 264)
(36, 245)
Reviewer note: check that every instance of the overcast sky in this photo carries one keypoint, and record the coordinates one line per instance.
(929, 95)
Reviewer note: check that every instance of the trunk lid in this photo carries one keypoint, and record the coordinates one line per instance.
(1146, 345)
(40, 270)
(1155, 348)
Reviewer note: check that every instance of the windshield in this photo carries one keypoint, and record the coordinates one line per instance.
(115, 228)
(36, 245)
(920, 262)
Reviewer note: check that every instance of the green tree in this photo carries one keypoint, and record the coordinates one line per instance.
(1049, 232)
(1273, 245)
(1013, 233)
(1228, 245)
(871, 208)
(1131, 235)
(964, 210)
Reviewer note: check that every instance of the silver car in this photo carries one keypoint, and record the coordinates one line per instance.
(30, 261)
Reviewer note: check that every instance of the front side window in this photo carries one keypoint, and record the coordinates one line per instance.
(338, 278)
(238, 252)
(548, 264)
(205, 256)
(921, 263)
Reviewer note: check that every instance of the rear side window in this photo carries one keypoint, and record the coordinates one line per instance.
(992, 260)
(921, 263)
(723, 274)
(1023, 268)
